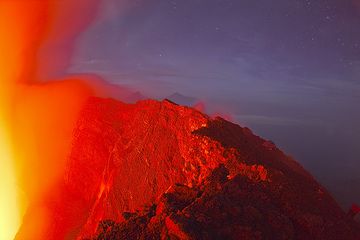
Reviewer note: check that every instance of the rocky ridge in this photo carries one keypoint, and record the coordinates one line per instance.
(157, 170)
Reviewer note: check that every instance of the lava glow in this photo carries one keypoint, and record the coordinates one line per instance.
(36, 117)
(10, 204)
(9, 207)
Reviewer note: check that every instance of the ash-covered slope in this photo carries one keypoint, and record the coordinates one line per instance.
(156, 170)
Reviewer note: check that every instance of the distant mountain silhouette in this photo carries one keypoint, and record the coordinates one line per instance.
(182, 100)
(134, 97)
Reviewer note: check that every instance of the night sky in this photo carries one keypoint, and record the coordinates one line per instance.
(288, 69)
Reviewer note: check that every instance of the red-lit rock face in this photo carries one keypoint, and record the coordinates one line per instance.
(158, 170)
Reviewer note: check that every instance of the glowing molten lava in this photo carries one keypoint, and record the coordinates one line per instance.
(10, 64)
(36, 118)
(9, 206)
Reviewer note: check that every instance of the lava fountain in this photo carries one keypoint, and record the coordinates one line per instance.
(9, 206)
(10, 62)
(36, 116)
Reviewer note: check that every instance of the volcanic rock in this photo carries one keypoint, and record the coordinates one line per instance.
(157, 170)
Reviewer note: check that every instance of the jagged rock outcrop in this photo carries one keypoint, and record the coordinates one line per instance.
(156, 170)
(221, 208)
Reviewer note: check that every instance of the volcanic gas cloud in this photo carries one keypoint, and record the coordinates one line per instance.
(76, 166)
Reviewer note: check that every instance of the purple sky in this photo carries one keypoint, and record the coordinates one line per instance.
(288, 69)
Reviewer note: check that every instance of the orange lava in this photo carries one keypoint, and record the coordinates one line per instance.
(36, 116)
